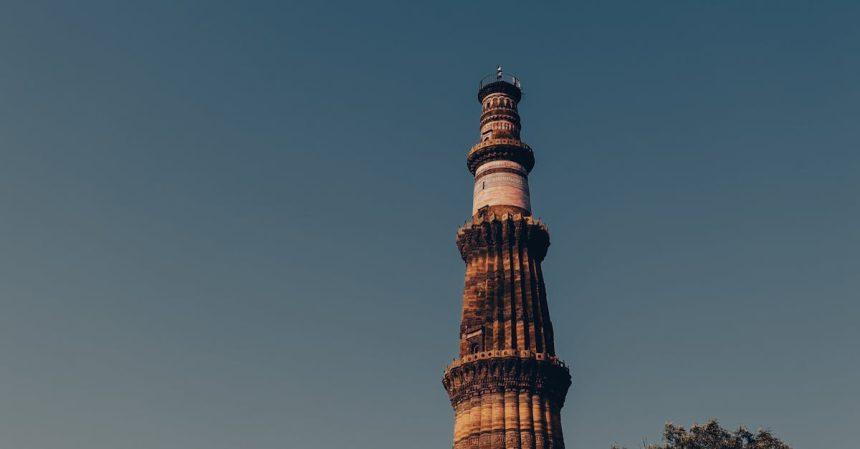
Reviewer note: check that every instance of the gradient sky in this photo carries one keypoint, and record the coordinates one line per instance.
(231, 225)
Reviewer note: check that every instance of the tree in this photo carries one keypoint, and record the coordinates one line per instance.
(712, 436)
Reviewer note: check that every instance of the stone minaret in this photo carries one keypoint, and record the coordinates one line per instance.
(507, 387)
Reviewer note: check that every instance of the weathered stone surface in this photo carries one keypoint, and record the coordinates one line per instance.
(504, 297)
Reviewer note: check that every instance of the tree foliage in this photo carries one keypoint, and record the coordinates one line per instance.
(712, 436)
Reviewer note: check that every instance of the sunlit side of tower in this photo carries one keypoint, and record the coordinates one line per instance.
(507, 387)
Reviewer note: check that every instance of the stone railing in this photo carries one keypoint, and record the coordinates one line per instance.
(497, 142)
(477, 220)
(506, 353)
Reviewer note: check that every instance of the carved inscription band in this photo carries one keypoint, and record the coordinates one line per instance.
(499, 170)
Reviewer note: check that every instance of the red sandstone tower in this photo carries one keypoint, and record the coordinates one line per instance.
(508, 387)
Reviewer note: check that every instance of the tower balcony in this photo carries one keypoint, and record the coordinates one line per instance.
(506, 353)
(500, 148)
(507, 370)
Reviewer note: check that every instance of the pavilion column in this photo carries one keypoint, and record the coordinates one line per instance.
(474, 432)
(527, 436)
(539, 422)
(498, 432)
(512, 420)
(556, 426)
(458, 425)
(549, 424)
(486, 421)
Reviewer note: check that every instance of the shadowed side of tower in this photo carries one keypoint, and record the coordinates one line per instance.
(507, 387)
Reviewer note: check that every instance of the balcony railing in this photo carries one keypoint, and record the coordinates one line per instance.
(498, 142)
(500, 77)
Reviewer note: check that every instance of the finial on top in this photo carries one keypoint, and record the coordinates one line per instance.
(500, 82)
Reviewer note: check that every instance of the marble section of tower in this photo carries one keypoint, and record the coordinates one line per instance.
(507, 387)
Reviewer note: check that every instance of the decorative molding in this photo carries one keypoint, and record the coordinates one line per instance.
(547, 377)
(496, 149)
(507, 229)
(499, 170)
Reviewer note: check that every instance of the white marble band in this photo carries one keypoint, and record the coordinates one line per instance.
(501, 183)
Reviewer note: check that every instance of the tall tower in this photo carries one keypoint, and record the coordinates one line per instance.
(507, 387)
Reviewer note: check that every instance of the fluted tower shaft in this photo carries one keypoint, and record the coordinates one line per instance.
(507, 387)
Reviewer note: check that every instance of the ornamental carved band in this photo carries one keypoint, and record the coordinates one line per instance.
(514, 232)
(500, 149)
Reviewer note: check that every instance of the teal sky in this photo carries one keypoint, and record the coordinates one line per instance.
(231, 224)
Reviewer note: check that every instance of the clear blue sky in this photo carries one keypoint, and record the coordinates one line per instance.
(231, 225)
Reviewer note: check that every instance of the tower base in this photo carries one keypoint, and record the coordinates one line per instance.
(507, 399)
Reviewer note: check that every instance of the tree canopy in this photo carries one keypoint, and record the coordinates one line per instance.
(712, 436)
